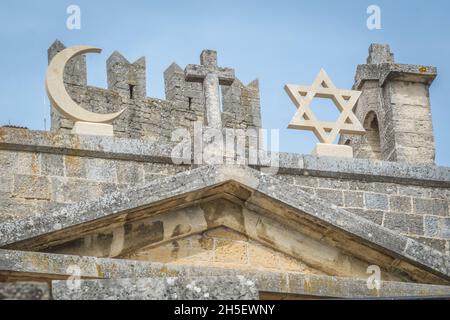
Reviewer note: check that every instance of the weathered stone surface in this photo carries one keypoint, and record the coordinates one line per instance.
(375, 216)
(70, 190)
(165, 288)
(400, 204)
(431, 206)
(376, 201)
(139, 150)
(275, 282)
(191, 182)
(437, 227)
(379, 54)
(24, 291)
(132, 173)
(354, 199)
(438, 244)
(32, 187)
(331, 196)
(101, 170)
(407, 223)
(52, 164)
(127, 163)
(349, 288)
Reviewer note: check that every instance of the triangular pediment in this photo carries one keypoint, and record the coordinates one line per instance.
(181, 213)
(217, 232)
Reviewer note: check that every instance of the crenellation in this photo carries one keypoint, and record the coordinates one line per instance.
(154, 119)
(241, 105)
(379, 54)
(127, 79)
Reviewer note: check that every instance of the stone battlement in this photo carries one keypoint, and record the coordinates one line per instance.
(149, 118)
(128, 206)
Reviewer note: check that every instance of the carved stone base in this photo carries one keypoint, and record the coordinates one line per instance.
(332, 150)
(93, 129)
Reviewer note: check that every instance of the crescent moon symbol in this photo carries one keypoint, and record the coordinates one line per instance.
(56, 91)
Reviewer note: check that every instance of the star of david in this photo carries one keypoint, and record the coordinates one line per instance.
(323, 87)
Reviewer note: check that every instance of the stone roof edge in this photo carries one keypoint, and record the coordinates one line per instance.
(289, 163)
(209, 176)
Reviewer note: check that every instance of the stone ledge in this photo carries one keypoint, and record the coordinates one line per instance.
(146, 151)
(295, 283)
(159, 288)
(84, 146)
(24, 291)
(389, 71)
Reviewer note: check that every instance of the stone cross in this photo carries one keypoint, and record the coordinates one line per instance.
(212, 77)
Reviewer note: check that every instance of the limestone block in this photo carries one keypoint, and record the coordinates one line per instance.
(32, 187)
(437, 227)
(75, 166)
(69, 190)
(229, 251)
(331, 196)
(101, 170)
(440, 193)
(27, 163)
(405, 223)
(414, 191)
(305, 181)
(52, 164)
(431, 206)
(328, 183)
(379, 53)
(93, 129)
(354, 199)
(375, 216)
(332, 150)
(438, 244)
(376, 201)
(24, 291)
(260, 257)
(179, 288)
(130, 172)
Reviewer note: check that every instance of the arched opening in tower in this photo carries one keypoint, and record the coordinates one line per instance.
(373, 136)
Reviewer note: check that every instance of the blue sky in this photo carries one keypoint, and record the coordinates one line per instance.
(277, 42)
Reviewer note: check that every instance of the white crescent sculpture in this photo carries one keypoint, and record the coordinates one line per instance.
(60, 99)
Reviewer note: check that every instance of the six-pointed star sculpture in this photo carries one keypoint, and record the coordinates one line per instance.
(344, 100)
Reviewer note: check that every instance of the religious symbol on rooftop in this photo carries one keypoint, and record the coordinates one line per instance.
(212, 77)
(86, 122)
(323, 87)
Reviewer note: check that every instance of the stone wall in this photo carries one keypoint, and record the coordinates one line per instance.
(149, 118)
(41, 170)
(421, 213)
(33, 182)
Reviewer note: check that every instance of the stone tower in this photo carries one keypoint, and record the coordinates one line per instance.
(394, 108)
